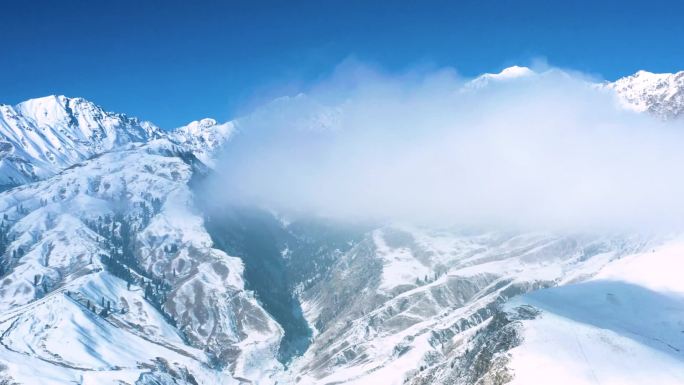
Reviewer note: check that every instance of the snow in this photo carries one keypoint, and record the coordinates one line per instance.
(657, 269)
(565, 352)
(659, 93)
(203, 137)
(476, 270)
(60, 341)
(510, 73)
(400, 266)
(69, 341)
(507, 74)
(42, 136)
(623, 326)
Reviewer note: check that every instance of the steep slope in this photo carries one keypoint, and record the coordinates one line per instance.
(281, 261)
(40, 137)
(630, 315)
(109, 275)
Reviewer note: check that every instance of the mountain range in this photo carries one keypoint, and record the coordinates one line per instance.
(114, 270)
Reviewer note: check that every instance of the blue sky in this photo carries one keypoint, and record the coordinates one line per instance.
(175, 61)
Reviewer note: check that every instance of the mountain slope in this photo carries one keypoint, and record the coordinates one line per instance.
(401, 306)
(40, 137)
(109, 258)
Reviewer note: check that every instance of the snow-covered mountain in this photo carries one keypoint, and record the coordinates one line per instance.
(41, 137)
(659, 94)
(114, 270)
(514, 72)
(108, 273)
(203, 137)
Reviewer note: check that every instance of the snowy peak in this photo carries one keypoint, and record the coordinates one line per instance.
(513, 72)
(659, 94)
(40, 137)
(510, 73)
(203, 137)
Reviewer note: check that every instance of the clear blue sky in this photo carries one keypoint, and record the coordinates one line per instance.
(175, 61)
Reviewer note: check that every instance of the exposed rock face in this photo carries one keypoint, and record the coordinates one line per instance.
(486, 357)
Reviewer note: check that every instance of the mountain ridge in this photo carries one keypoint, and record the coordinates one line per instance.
(41, 136)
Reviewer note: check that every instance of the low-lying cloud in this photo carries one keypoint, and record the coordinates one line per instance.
(545, 151)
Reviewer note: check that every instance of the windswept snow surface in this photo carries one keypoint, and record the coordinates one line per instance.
(624, 326)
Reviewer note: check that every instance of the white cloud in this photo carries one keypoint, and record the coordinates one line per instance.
(540, 151)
